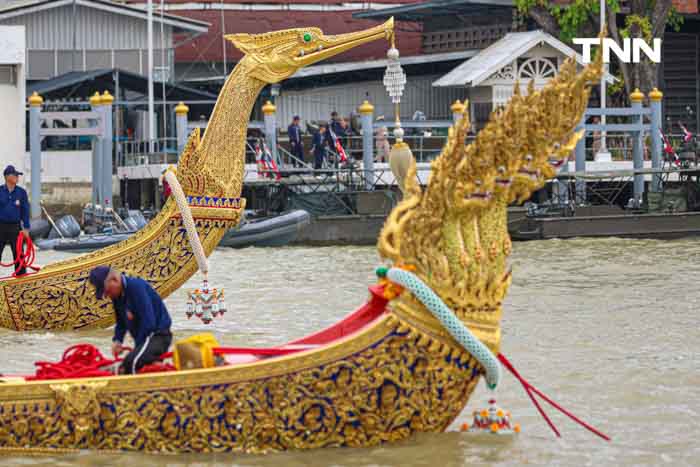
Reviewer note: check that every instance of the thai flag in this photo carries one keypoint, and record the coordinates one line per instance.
(687, 136)
(338, 147)
(260, 160)
(270, 163)
(668, 149)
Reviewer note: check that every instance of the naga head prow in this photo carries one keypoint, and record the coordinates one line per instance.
(454, 233)
(275, 56)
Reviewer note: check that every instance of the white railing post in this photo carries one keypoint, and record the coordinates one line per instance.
(367, 116)
(35, 102)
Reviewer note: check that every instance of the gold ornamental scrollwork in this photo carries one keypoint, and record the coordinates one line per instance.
(78, 410)
(383, 386)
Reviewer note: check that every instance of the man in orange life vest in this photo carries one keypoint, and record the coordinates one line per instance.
(14, 213)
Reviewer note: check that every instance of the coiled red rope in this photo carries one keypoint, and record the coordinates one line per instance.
(85, 360)
(26, 255)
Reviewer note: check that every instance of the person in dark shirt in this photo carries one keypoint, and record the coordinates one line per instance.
(320, 144)
(140, 311)
(297, 147)
(336, 125)
(14, 214)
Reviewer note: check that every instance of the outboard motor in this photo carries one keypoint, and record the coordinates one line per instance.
(138, 217)
(68, 226)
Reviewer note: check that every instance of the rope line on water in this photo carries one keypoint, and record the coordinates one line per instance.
(530, 389)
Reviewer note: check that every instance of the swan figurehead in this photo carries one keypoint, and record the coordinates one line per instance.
(277, 55)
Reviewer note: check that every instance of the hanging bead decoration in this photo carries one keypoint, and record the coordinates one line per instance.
(394, 77)
(205, 303)
(400, 156)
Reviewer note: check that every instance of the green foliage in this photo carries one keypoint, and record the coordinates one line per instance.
(642, 22)
(571, 18)
(674, 19)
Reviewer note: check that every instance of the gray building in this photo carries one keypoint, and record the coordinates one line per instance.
(82, 35)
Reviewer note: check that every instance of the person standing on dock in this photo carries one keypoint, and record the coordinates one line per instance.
(139, 310)
(297, 147)
(319, 147)
(14, 214)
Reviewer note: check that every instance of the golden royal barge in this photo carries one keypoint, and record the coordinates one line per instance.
(388, 370)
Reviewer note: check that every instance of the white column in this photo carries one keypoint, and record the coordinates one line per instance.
(270, 118)
(181, 126)
(97, 147)
(367, 116)
(35, 102)
(106, 173)
(151, 107)
(457, 109)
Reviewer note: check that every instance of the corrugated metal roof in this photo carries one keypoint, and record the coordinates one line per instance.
(22, 7)
(92, 29)
(491, 59)
(419, 11)
(127, 80)
(209, 46)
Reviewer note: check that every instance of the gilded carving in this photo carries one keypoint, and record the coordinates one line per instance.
(399, 375)
(455, 231)
(383, 387)
(78, 409)
(210, 167)
(59, 297)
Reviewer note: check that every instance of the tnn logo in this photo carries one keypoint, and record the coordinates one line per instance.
(629, 53)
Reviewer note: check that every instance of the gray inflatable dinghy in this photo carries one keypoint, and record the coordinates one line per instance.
(268, 231)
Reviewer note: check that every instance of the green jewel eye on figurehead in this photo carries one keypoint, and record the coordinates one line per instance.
(307, 37)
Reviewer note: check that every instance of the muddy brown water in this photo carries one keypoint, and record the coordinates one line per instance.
(609, 328)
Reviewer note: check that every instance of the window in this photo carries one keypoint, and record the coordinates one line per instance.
(8, 74)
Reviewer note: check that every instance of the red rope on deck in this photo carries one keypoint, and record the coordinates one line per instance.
(529, 388)
(82, 361)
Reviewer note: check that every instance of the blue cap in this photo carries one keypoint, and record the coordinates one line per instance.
(296, 117)
(10, 170)
(97, 278)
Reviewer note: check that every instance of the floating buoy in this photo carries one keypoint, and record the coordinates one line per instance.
(493, 420)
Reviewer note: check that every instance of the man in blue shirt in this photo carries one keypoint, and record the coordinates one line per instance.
(14, 213)
(294, 133)
(139, 310)
(320, 145)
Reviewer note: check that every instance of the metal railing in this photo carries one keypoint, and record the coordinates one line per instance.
(146, 152)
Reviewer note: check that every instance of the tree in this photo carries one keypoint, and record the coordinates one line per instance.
(645, 19)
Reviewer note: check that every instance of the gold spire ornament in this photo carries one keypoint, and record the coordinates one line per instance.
(400, 156)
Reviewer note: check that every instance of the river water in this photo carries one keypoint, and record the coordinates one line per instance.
(609, 328)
